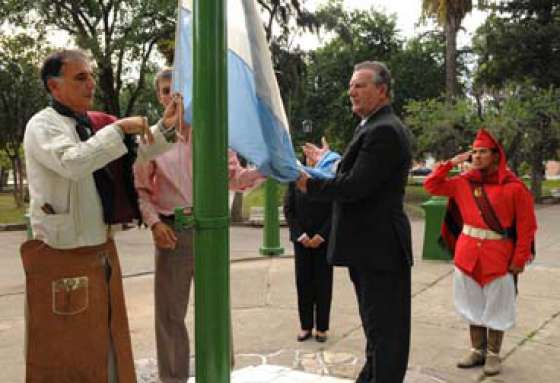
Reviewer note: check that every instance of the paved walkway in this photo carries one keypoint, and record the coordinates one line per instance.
(265, 321)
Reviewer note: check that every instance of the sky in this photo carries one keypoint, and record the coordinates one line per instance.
(408, 14)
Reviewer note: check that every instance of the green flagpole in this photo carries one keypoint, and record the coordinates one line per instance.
(211, 242)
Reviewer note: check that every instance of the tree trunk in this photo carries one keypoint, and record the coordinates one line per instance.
(18, 182)
(451, 29)
(513, 153)
(237, 207)
(3, 177)
(537, 175)
(109, 97)
(479, 109)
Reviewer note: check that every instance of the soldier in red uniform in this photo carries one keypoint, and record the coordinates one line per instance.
(490, 225)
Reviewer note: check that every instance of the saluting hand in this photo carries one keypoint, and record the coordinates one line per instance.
(460, 158)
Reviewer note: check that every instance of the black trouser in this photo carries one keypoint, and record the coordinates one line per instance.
(384, 304)
(314, 278)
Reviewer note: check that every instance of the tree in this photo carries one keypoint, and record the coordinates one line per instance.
(358, 35)
(527, 122)
(525, 119)
(449, 14)
(518, 42)
(4, 169)
(442, 129)
(121, 36)
(282, 12)
(21, 95)
(419, 69)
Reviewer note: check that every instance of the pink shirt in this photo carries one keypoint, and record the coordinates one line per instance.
(166, 182)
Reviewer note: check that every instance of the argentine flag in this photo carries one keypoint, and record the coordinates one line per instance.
(258, 127)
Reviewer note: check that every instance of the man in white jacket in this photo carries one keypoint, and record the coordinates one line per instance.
(77, 327)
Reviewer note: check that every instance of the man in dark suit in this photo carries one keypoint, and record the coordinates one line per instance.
(370, 232)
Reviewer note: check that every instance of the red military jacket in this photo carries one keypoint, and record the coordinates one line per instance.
(486, 259)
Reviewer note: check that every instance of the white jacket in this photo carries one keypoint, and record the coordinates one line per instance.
(60, 172)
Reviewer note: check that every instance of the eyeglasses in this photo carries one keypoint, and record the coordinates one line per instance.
(165, 91)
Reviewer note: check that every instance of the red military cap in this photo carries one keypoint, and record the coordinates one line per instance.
(485, 140)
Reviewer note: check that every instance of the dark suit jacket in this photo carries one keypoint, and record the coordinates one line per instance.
(305, 215)
(369, 227)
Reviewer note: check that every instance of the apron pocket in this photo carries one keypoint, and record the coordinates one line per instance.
(70, 295)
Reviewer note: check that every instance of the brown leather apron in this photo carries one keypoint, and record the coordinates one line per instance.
(75, 305)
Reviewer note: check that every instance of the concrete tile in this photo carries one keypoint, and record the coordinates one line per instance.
(253, 274)
(538, 281)
(534, 313)
(283, 288)
(533, 362)
(278, 374)
(549, 334)
(12, 277)
(435, 349)
(426, 273)
(12, 362)
(435, 305)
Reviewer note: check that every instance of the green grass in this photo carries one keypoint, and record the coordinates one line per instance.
(9, 213)
(548, 185)
(256, 198)
(415, 196)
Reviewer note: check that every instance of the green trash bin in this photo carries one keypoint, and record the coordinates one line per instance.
(434, 210)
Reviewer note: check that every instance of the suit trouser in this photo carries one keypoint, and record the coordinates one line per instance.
(314, 280)
(174, 271)
(384, 304)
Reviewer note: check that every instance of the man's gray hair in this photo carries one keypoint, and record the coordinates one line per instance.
(382, 74)
(52, 66)
(165, 73)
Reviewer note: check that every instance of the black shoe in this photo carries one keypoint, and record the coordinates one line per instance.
(301, 338)
(321, 338)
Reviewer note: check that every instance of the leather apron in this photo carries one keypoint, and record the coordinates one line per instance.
(75, 306)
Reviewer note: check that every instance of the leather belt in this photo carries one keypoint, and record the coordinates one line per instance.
(171, 217)
(479, 233)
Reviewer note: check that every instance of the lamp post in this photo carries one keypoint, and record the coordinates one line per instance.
(271, 232)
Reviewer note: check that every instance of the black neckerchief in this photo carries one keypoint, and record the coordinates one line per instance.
(104, 182)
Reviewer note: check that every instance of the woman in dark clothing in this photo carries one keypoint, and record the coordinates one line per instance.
(309, 222)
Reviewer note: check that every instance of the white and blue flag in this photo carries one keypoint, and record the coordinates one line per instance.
(258, 127)
(326, 167)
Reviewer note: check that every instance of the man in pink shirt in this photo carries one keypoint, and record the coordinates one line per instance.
(164, 184)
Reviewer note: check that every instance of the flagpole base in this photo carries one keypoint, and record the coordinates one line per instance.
(271, 251)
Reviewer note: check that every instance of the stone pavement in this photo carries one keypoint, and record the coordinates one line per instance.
(265, 324)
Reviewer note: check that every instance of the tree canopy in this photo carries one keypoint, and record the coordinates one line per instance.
(21, 95)
(121, 36)
(519, 41)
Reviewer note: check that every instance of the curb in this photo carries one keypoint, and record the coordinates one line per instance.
(13, 227)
